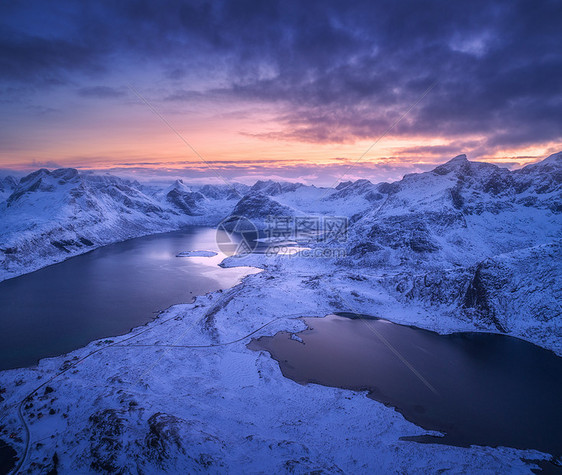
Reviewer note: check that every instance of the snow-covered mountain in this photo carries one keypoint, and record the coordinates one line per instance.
(517, 292)
(465, 247)
(479, 241)
(51, 215)
(192, 203)
(7, 186)
(455, 215)
(257, 207)
(273, 188)
(459, 213)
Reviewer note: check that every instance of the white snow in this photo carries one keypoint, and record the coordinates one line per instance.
(197, 254)
(233, 404)
(183, 394)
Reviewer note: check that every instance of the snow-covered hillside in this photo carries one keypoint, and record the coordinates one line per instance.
(460, 213)
(7, 186)
(446, 221)
(50, 216)
(465, 247)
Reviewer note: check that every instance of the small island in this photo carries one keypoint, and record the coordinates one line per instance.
(196, 254)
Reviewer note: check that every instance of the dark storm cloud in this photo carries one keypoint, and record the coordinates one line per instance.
(497, 69)
(30, 59)
(335, 71)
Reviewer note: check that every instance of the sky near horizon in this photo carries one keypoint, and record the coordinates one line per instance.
(310, 91)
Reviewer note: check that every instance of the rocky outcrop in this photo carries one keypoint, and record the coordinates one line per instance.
(170, 438)
(7, 186)
(185, 201)
(258, 207)
(106, 441)
(274, 188)
(514, 291)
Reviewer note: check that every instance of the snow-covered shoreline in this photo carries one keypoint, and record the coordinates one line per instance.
(107, 237)
(466, 247)
(229, 401)
(42, 262)
(200, 253)
(52, 216)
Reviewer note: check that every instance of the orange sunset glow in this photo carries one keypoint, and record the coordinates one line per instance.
(305, 111)
(280, 237)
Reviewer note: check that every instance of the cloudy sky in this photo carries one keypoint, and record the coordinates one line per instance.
(304, 90)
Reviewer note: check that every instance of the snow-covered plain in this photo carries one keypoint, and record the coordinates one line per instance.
(467, 246)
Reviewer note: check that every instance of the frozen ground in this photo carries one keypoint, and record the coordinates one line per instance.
(467, 246)
(184, 394)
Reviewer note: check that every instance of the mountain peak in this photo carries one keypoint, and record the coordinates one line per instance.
(64, 174)
(458, 159)
(554, 159)
(178, 186)
(273, 188)
(456, 164)
(37, 174)
(553, 162)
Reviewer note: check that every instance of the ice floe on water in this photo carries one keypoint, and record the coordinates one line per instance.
(196, 254)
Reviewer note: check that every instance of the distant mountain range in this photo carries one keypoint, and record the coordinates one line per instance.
(465, 247)
(48, 216)
(462, 221)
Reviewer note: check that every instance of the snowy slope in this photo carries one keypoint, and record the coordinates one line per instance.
(208, 404)
(460, 213)
(518, 293)
(7, 186)
(50, 216)
(465, 247)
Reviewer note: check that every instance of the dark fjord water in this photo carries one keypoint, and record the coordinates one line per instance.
(105, 293)
(7, 457)
(477, 388)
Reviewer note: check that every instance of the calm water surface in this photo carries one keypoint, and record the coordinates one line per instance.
(105, 293)
(477, 388)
